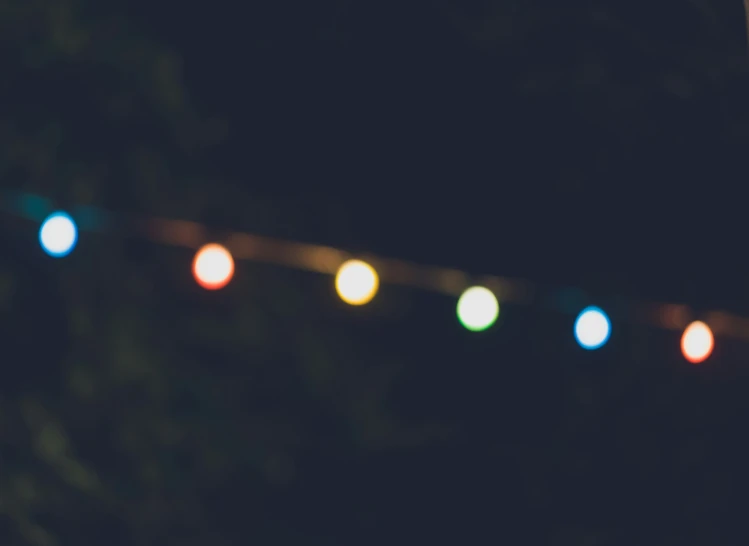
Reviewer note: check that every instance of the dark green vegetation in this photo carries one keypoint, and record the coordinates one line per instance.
(136, 409)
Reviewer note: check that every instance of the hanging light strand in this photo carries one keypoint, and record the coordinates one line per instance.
(357, 278)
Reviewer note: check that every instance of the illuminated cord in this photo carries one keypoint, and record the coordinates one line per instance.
(328, 260)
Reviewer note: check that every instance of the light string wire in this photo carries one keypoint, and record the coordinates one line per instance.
(327, 260)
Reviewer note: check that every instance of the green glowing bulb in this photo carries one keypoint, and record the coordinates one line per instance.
(478, 308)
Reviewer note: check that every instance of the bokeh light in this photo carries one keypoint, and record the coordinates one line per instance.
(477, 308)
(58, 234)
(213, 266)
(697, 342)
(356, 282)
(592, 328)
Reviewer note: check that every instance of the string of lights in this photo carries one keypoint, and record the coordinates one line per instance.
(357, 278)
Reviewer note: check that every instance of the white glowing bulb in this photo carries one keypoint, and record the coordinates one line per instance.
(58, 235)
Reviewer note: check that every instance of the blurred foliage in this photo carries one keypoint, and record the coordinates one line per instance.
(123, 413)
(127, 415)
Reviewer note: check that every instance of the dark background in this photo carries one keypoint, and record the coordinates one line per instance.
(599, 145)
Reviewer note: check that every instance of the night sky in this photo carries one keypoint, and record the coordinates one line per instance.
(600, 147)
(415, 140)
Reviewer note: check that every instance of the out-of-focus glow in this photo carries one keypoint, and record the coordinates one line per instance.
(58, 234)
(592, 328)
(477, 308)
(213, 266)
(697, 342)
(356, 282)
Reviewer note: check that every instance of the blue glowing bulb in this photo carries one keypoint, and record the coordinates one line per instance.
(58, 234)
(592, 328)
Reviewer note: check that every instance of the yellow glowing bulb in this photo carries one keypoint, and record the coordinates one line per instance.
(697, 342)
(213, 267)
(356, 282)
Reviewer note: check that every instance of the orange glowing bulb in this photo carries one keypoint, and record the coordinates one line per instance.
(356, 282)
(697, 342)
(213, 267)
